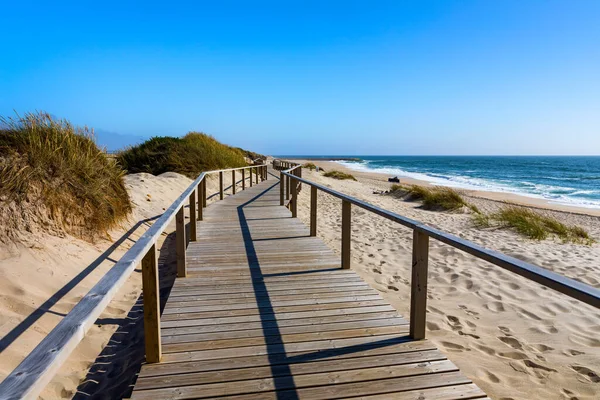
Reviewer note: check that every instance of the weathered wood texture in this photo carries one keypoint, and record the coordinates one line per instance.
(266, 312)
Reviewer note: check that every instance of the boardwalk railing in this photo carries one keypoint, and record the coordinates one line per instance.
(291, 174)
(37, 369)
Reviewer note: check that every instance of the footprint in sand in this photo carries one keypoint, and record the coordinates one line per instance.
(495, 306)
(511, 342)
(453, 346)
(586, 373)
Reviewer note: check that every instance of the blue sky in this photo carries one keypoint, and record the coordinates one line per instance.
(315, 77)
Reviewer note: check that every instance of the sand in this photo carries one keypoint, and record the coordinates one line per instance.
(514, 338)
(43, 278)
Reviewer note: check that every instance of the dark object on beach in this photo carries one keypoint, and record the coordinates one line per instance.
(394, 179)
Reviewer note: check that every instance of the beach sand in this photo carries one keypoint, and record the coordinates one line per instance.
(513, 337)
(43, 278)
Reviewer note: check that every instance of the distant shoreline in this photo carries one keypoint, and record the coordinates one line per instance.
(380, 179)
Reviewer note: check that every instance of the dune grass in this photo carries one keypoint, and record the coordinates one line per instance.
(189, 155)
(53, 172)
(339, 175)
(533, 224)
(309, 166)
(433, 198)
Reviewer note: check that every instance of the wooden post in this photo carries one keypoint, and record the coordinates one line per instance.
(243, 178)
(346, 233)
(266, 172)
(294, 202)
(180, 243)
(233, 181)
(256, 170)
(250, 175)
(150, 288)
(313, 211)
(221, 185)
(281, 187)
(200, 200)
(418, 291)
(193, 226)
(204, 191)
(299, 176)
(287, 187)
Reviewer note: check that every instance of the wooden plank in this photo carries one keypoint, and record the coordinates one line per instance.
(175, 335)
(306, 368)
(278, 349)
(193, 225)
(221, 185)
(281, 324)
(260, 386)
(313, 211)
(271, 340)
(175, 320)
(397, 350)
(346, 234)
(233, 184)
(418, 293)
(150, 285)
(180, 243)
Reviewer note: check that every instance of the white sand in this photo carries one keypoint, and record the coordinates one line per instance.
(514, 338)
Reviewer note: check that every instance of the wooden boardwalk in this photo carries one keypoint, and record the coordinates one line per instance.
(266, 313)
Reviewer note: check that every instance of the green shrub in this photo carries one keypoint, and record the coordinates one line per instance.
(433, 198)
(339, 175)
(189, 155)
(533, 224)
(310, 166)
(54, 172)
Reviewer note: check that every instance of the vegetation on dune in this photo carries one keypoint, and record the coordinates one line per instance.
(339, 175)
(189, 155)
(433, 198)
(533, 224)
(52, 174)
(309, 166)
(251, 154)
(524, 221)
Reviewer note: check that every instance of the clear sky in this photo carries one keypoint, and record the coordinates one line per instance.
(314, 77)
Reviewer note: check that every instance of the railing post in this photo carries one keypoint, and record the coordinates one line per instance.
(281, 187)
(287, 187)
(418, 291)
(313, 211)
(299, 176)
(233, 181)
(150, 288)
(200, 199)
(346, 233)
(243, 178)
(221, 185)
(180, 243)
(266, 172)
(256, 175)
(204, 191)
(294, 202)
(193, 226)
(250, 174)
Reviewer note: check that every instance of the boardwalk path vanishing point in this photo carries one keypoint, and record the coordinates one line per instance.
(266, 312)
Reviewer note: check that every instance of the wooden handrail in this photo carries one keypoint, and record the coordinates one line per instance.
(30, 377)
(422, 233)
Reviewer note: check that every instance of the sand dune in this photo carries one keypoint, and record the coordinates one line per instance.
(514, 338)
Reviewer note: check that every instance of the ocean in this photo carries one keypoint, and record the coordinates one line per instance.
(568, 180)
